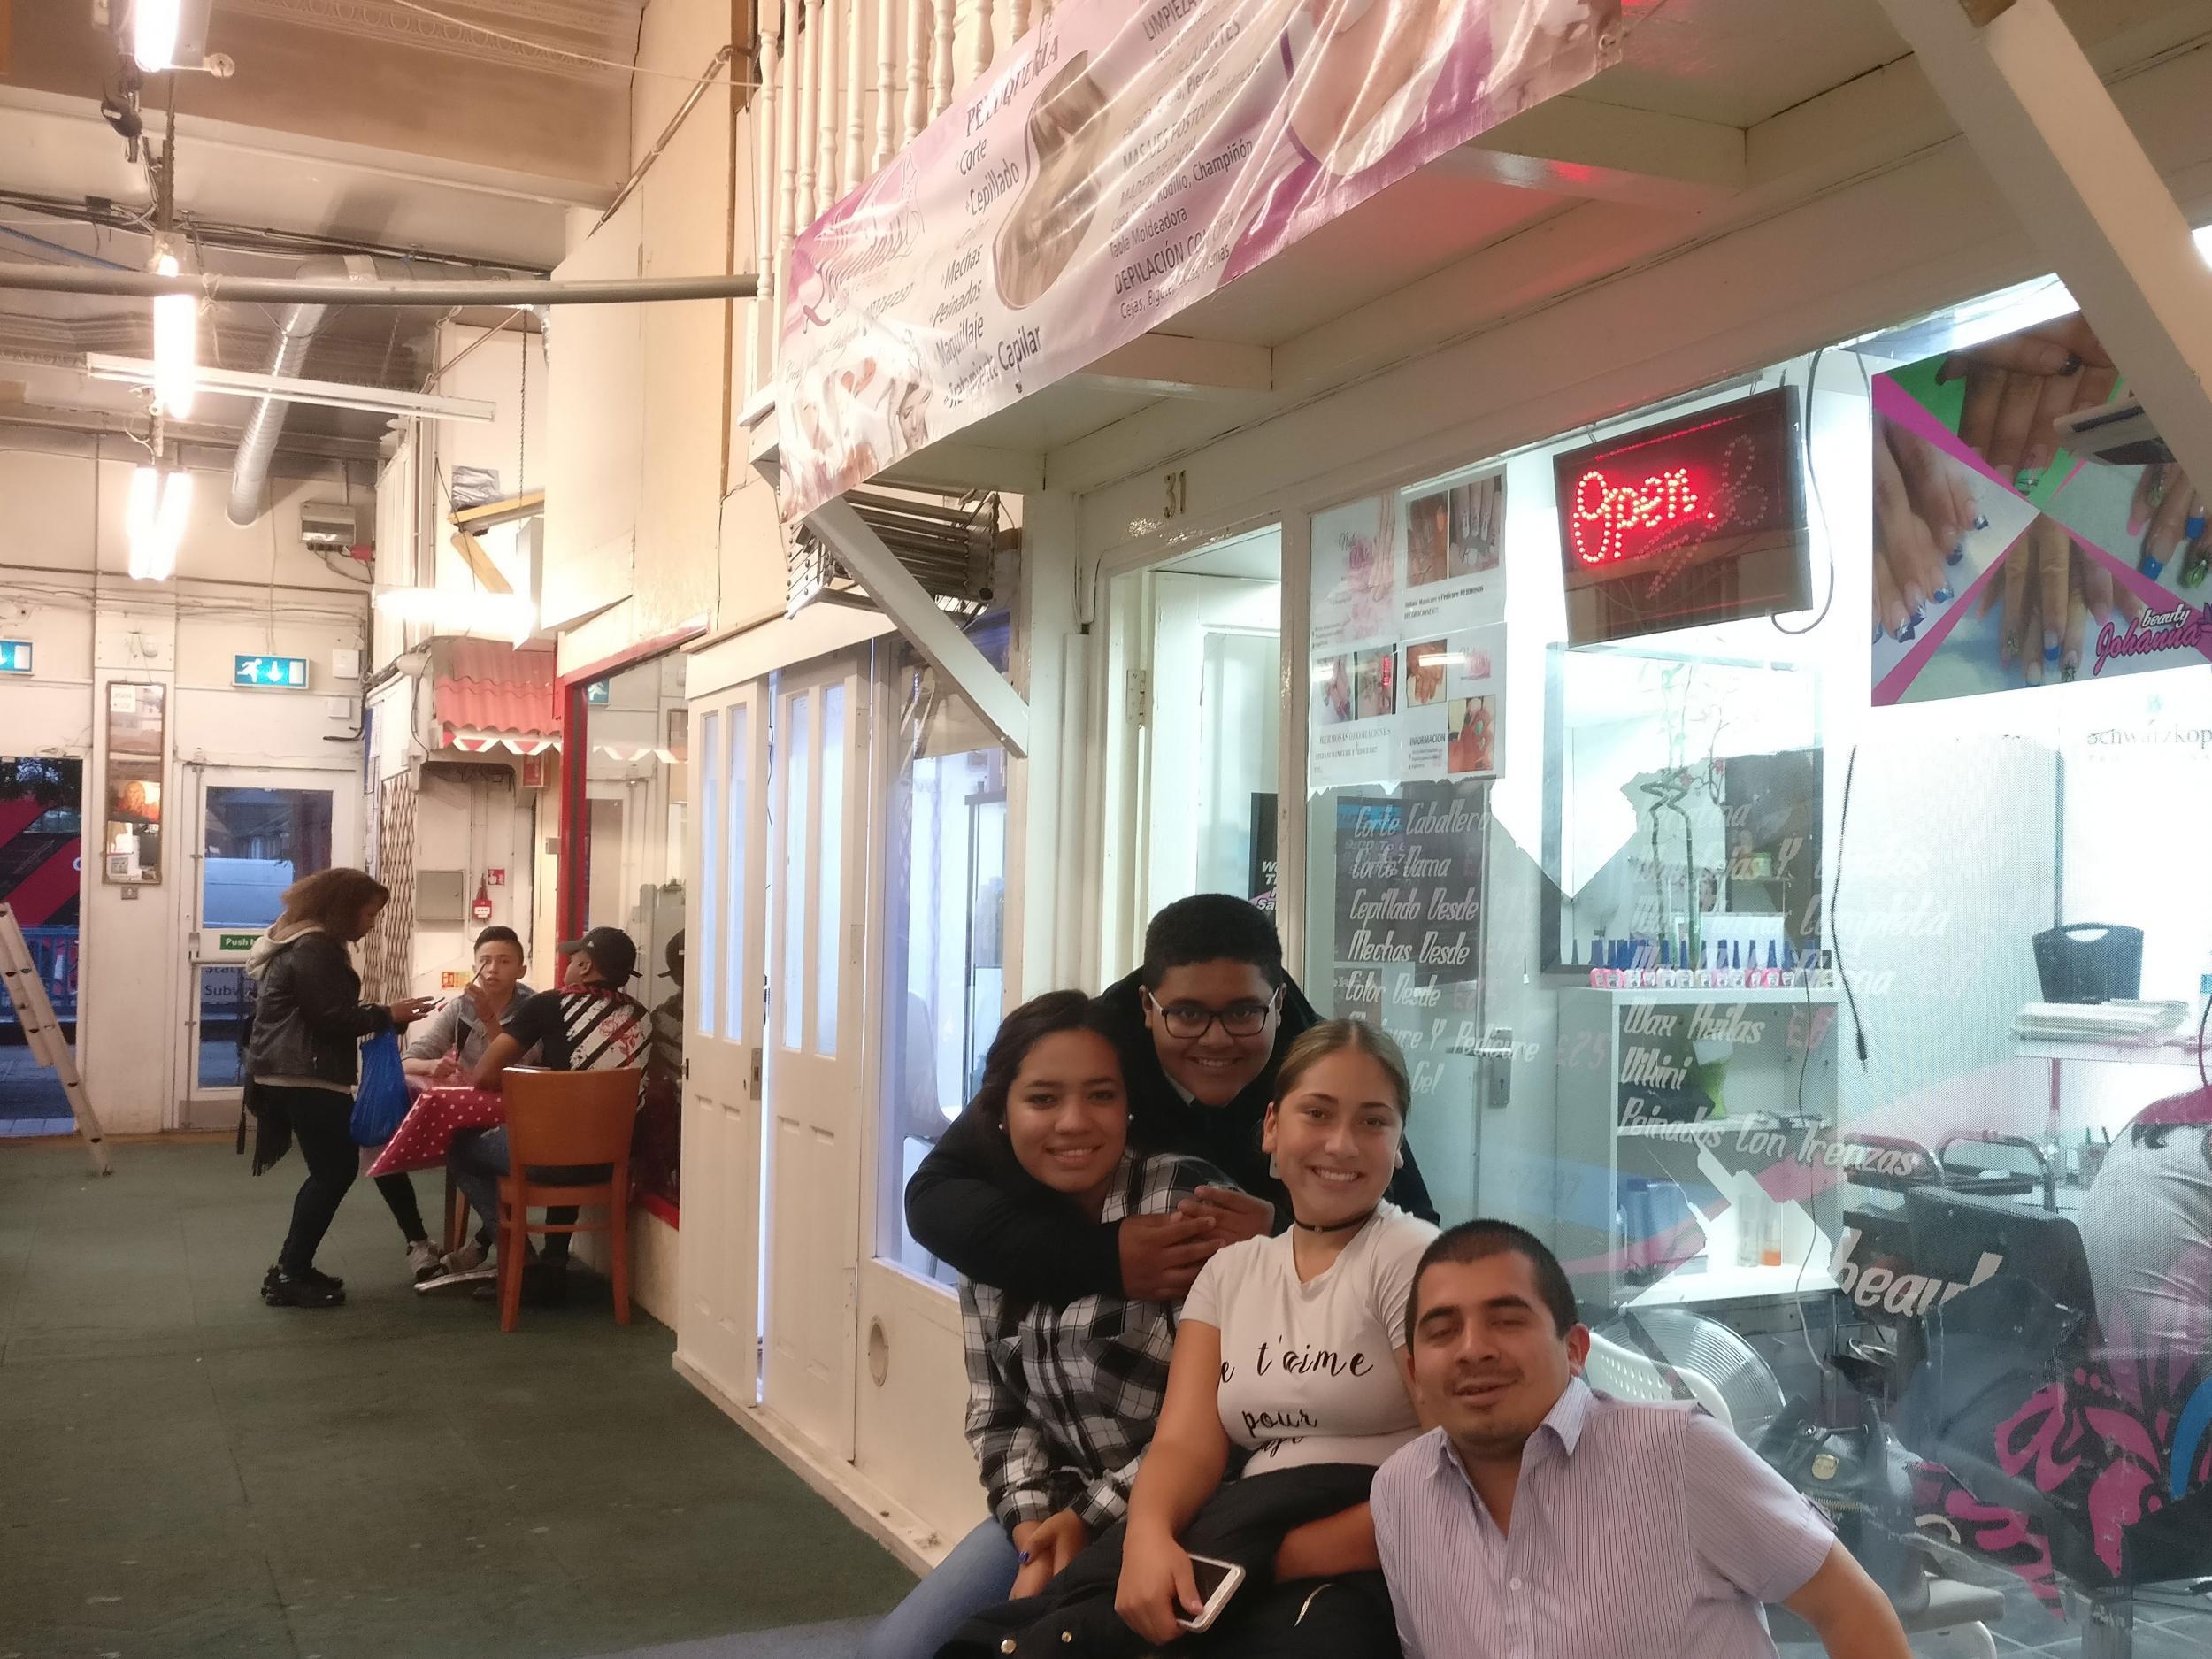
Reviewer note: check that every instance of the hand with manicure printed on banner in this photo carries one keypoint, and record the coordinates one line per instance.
(2051, 590)
(1924, 510)
(2018, 386)
(2168, 514)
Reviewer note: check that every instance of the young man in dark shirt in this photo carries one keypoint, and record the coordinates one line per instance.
(1202, 1027)
(590, 1024)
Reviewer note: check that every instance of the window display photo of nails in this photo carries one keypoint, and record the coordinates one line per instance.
(1939, 526)
(2054, 610)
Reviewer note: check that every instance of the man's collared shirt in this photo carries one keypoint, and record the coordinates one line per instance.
(1636, 1530)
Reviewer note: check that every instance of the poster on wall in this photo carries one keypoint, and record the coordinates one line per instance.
(1408, 678)
(2004, 559)
(1120, 164)
(1407, 930)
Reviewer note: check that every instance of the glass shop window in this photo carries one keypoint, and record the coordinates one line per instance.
(945, 965)
(1767, 828)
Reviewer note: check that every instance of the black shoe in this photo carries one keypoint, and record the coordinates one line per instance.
(329, 1281)
(289, 1290)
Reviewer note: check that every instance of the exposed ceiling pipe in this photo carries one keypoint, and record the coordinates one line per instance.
(291, 291)
(295, 331)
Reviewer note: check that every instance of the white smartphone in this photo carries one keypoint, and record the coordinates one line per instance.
(1218, 1581)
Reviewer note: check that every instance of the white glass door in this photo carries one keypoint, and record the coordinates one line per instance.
(717, 1324)
(256, 832)
(816, 1071)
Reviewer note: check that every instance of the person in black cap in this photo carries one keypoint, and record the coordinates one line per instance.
(590, 1024)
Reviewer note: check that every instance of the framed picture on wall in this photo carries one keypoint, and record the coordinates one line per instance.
(131, 824)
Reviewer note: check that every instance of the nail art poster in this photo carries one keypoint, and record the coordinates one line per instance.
(2002, 560)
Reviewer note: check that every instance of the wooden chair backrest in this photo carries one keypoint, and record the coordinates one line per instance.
(570, 1118)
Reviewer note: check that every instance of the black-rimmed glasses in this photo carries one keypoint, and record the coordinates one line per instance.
(1188, 1021)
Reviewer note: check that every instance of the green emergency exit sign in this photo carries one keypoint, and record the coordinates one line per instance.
(290, 672)
(15, 657)
(235, 941)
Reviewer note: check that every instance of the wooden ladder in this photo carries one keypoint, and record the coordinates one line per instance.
(18, 973)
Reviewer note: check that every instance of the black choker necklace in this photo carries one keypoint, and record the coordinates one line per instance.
(1341, 1227)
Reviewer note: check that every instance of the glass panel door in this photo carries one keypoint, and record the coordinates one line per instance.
(258, 833)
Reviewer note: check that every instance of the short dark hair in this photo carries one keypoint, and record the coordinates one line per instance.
(496, 935)
(1021, 1030)
(1477, 1240)
(1211, 927)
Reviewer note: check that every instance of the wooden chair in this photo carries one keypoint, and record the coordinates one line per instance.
(559, 1120)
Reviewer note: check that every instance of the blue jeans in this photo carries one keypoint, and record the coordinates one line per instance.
(978, 1574)
(478, 1158)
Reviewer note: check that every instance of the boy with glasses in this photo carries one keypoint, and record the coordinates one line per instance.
(1201, 1027)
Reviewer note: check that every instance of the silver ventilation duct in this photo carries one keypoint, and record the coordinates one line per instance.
(295, 331)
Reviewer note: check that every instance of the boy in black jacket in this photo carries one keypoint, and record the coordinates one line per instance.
(1201, 1028)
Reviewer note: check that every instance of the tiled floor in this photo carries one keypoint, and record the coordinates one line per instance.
(187, 1471)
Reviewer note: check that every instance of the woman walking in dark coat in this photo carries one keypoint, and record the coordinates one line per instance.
(304, 1057)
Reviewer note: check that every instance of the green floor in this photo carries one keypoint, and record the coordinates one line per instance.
(186, 1471)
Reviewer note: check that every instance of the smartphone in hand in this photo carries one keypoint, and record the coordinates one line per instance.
(1216, 1581)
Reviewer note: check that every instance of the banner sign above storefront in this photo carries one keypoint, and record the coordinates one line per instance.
(1121, 163)
(2003, 559)
(1696, 520)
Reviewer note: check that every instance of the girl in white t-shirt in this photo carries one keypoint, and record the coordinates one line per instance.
(1292, 1349)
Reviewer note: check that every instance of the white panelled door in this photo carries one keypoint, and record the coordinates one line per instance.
(816, 1067)
(717, 1324)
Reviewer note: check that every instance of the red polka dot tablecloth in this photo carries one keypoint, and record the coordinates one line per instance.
(423, 1134)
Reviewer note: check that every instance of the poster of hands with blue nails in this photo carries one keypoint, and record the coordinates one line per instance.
(2002, 560)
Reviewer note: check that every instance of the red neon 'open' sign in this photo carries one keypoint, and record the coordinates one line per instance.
(1611, 520)
(1690, 520)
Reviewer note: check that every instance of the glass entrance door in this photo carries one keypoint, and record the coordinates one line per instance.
(258, 832)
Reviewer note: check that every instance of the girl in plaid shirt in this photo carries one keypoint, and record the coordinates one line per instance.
(1060, 1400)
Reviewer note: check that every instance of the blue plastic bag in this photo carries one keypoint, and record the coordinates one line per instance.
(381, 1101)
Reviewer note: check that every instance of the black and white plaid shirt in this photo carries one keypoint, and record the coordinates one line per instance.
(1063, 1400)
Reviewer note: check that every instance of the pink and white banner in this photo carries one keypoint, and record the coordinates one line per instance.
(1120, 164)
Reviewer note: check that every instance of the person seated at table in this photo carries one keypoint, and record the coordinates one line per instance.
(445, 1049)
(1060, 1400)
(590, 1024)
(1202, 1027)
(1287, 1369)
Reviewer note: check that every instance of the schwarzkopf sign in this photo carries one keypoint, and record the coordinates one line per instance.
(1121, 164)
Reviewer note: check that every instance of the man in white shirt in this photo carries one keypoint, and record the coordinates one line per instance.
(1539, 1519)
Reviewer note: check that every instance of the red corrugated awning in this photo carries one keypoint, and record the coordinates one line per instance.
(487, 695)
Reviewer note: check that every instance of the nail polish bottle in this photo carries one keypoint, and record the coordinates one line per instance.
(1735, 966)
(1774, 969)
